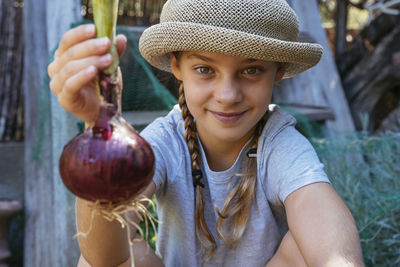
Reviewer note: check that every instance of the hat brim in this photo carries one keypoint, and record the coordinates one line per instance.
(158, 41)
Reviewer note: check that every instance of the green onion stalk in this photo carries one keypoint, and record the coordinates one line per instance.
(105, 14)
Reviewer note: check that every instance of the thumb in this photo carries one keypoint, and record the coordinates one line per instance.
(121, 44)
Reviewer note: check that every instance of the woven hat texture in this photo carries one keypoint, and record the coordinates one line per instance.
(259, 29)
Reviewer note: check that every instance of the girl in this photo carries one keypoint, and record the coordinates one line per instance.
(236, 184)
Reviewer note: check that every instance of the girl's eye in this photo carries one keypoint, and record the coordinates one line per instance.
(252, 70)
(203, 70)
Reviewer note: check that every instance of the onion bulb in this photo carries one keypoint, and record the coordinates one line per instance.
(107, 162)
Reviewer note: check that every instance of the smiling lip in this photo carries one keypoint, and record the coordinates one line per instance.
(228, 117)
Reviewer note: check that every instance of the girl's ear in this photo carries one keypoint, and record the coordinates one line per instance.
(280, 72)
(175, 67)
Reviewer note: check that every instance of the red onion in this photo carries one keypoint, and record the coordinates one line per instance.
(109, 161)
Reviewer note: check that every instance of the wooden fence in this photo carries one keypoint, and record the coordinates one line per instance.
(11, 58)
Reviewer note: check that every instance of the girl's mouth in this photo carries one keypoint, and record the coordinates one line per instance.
(231, 117)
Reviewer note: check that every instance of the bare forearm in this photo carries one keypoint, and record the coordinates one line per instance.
(288, 254)
(106, 244)
(144, 256)
(346, 251)
(339, 246)
(323, 227)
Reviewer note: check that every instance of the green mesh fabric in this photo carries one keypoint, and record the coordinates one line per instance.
(142, 90)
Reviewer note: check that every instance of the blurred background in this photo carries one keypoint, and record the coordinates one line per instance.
(348, 106)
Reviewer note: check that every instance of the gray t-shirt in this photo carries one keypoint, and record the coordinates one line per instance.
(286, 161)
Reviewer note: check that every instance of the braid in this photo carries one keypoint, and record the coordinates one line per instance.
(190, 130)
(203, 233)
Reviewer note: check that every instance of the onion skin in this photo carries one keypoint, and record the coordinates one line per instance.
(111, 164)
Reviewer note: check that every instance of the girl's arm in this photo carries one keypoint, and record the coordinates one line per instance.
(142, 258)
(288, 254)
(107, 243)
(323, 227)
(77, 61)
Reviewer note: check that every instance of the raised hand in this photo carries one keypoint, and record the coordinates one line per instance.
(77, 61)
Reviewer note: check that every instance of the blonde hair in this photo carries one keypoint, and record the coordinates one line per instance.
(238, 204)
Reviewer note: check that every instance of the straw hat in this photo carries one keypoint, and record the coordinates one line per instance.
(260, 29)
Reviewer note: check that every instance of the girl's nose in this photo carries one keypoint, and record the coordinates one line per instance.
(228, 91)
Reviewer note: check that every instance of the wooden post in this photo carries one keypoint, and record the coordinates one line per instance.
(49, 208)
(11, 45)
(341, 27)
(60, 15)
(321, 85)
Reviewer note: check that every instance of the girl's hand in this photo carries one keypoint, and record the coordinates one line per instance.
(77, 61)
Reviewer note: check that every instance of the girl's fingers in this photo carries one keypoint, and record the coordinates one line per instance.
(75, 36)
(92, 47)
(75, 45)
(57, 83)
(121, 44)
(69, 39)
(70, 96)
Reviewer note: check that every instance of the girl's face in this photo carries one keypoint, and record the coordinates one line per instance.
(227, 95)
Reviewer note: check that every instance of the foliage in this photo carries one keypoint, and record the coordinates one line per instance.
(357, 15)
(151, 235)
(365, 170)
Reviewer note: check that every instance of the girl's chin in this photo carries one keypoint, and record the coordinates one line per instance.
(232, 136)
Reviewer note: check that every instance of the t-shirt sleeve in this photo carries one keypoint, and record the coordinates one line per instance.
(166, 148)
(291, 164)
(151, 136)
